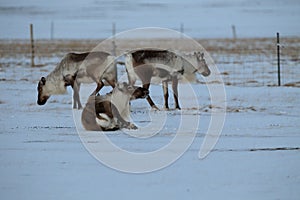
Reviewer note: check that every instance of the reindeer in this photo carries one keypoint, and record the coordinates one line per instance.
(111, 111)
(74, 69)
(164, 64)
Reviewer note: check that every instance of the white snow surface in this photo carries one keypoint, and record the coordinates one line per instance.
(256, 157)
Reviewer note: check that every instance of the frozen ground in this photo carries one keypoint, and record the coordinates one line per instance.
(256, 157)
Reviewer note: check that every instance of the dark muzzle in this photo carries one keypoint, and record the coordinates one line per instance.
(206, 73)
(42, 101)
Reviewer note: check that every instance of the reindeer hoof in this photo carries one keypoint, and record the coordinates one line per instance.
(154, 107)
(132, 126)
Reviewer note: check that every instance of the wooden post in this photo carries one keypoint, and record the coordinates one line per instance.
(114, 46)
(181, 30)
(52, 30)
(32, 45)
(113, 40)
(233, 32)
(278, 59)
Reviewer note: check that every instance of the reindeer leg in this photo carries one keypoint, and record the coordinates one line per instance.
(166, 94)
(100, 85)
(121, 122)
(151, 103)
(145, 73)
(71, 81)
(175, 91)
(76, 89)
(75, 95)
(111, 82)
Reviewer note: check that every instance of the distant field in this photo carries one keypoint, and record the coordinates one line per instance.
(246, 62)
(229, 46)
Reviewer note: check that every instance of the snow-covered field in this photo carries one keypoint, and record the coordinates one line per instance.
(257, 155)
(42, 156)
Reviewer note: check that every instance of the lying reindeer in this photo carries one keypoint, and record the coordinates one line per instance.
(74, 69)
(111, 111)
(147, 63)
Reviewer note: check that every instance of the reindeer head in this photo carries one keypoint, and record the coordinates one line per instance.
(202, 65)
(136, 92)
(42, 98)
(53, 86)
(139, 93)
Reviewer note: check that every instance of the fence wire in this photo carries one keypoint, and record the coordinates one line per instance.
(242, 62)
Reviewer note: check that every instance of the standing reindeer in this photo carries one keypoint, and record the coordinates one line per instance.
(164, 64)
(74, 69)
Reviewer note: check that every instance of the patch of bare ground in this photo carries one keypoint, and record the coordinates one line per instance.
(294, 84)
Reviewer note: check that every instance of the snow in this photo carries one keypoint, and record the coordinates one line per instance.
(42, 149)
(256, 157)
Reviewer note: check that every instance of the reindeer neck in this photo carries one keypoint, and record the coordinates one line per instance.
(55, 84)
(189, 67)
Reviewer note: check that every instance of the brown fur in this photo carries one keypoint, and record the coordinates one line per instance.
(102, 104)
(74, 69)
(145, 70)
(141, 55)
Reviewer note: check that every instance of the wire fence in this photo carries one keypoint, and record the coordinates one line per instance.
(241, 62)
(254, 63)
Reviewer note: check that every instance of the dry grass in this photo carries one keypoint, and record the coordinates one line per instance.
(251, 62)
(50, 48)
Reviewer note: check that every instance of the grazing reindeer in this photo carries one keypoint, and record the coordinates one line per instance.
(144, 64)
(110, 112)
(74, 69)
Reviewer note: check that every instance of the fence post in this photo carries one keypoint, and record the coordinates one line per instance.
(52, 30)
(233, 32)
(114, 46)
(278, 59)
(32, 45)
(181, 30)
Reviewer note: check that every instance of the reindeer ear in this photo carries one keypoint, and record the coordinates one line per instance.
(125, 84)
(202, 55)
(43, 80)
